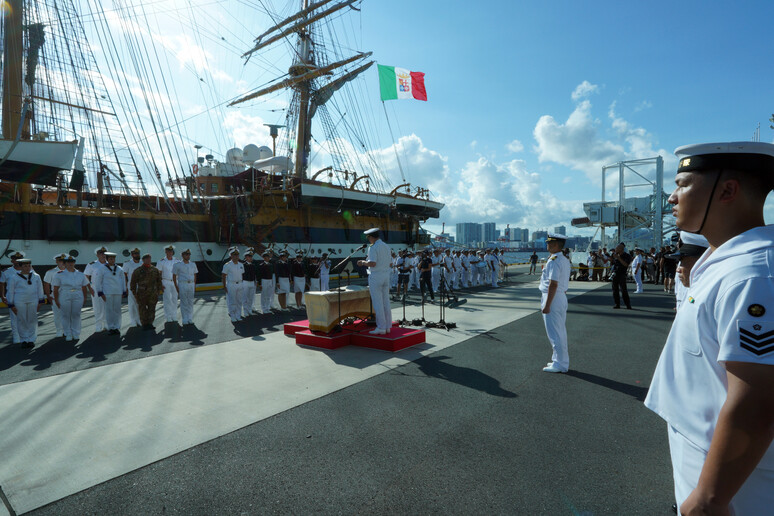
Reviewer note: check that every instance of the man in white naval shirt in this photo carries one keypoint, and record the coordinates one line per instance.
(96, 302)
(554, 282)
(15, 268)
(325, 272)
(465, 264)
(378, 263)
(48, 290)
(437, 263)
(184, 276)
(637, 265)
(110, 283)
(25, 295)
(165, 265)
(691, 247)
(129, 267)
(714, 382)
(232, 284)
(70, 291)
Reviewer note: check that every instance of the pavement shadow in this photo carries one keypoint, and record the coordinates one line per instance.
(187, 333)
(144, 340)
(98, 346)
(44, 356)
(436, 367)
(635, 391)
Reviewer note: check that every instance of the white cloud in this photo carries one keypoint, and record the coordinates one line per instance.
(583, 90)
(515, 146)
(645, 104)
(473, 144)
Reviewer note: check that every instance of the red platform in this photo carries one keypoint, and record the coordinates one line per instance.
(356, 334)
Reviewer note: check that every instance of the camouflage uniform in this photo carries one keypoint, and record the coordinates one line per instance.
(146, 287)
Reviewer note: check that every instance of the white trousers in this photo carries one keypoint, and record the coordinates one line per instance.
(493, 276)
(57, 312)
(464, 278)
(134, 312)
(248, 297)
(379, 287)
(556, 329)
(234, 300)
(436, 279)
(187, 293)
(314, 284)
(72, 304)
(27, 320)
(113, 311)
(267, 295)
(325, 279)
(170, 300)
(756, 495)
(638, 281)
(99, 312)
(14, 327)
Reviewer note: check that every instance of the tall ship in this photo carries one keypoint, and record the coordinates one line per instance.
(94, 151)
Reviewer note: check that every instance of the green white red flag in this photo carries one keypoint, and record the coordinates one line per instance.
(399, 83)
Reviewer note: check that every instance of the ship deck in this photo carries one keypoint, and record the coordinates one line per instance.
(237, 419)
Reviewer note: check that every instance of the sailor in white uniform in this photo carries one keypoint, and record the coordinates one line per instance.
(70, 291)
(394, 270)
(325, 272)
(481, 268)
(232, 284)
(97, 304)
(49, 291)
(265, 273)
(184, 277)
(714, 382)
(378, 263)
(129, 267)
(165, 266)
(637, 265)
(437, 263)
(110, 283)
(692, 246)
(465, 262)
(554, 282)
(25, 295)
(457, 264)
(15, 268)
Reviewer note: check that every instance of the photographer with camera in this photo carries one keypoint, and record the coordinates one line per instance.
(620, 263)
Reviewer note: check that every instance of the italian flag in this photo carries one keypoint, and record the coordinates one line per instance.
(399, 83)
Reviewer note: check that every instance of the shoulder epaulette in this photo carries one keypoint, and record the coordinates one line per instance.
(553, 258)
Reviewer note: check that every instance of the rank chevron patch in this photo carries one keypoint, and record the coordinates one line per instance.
(756, 337)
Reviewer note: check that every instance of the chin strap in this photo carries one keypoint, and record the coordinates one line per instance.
(709, 202)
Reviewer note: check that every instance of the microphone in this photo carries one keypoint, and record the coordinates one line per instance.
(363, 246)
(331, 251)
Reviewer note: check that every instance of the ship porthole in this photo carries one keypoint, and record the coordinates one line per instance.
(126, 252)
(74, 253)
(209, 252)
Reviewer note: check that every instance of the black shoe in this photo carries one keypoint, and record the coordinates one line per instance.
(616, 307)
(674, 508)
(629, 307)
(27, 345)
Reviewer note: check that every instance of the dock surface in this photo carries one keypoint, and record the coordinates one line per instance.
(237, 419)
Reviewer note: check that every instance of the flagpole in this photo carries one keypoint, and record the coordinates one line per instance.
(394, 145)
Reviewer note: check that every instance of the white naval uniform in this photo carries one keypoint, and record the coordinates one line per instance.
(5, 278)
(394, 272)
(558, 269)
(170, 294)
(97, 305)
(325, 274)
(447, 271)
(129, 267)
(637, 275)
(436, 271)
(111, 282)
(71, 300)
(681, 292)
(494, 264)
(465, 260)
(727, 316)
(48, 277)
(186, 283)
(25, 293)
(457, 262)
(234, 272)
(481, 268)
(379, 283)
(267, 286)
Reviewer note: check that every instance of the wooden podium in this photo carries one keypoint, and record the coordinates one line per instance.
(326, 309)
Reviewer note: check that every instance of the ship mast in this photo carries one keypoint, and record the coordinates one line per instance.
(305, 70)
(301, 66)
(12, 69)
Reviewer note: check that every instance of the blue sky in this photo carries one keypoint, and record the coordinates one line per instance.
(527, 100)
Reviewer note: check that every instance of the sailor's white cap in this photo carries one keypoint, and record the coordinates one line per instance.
(233, 250)
(371, 231)
(170, 247)
(135, 250)
(60, 257)
(100, 250)
(694, 239)
(743, 156)
(22, 261)
(16, 255)
(186, 251)
(552, 237)
(69, 258)
(108, 254)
